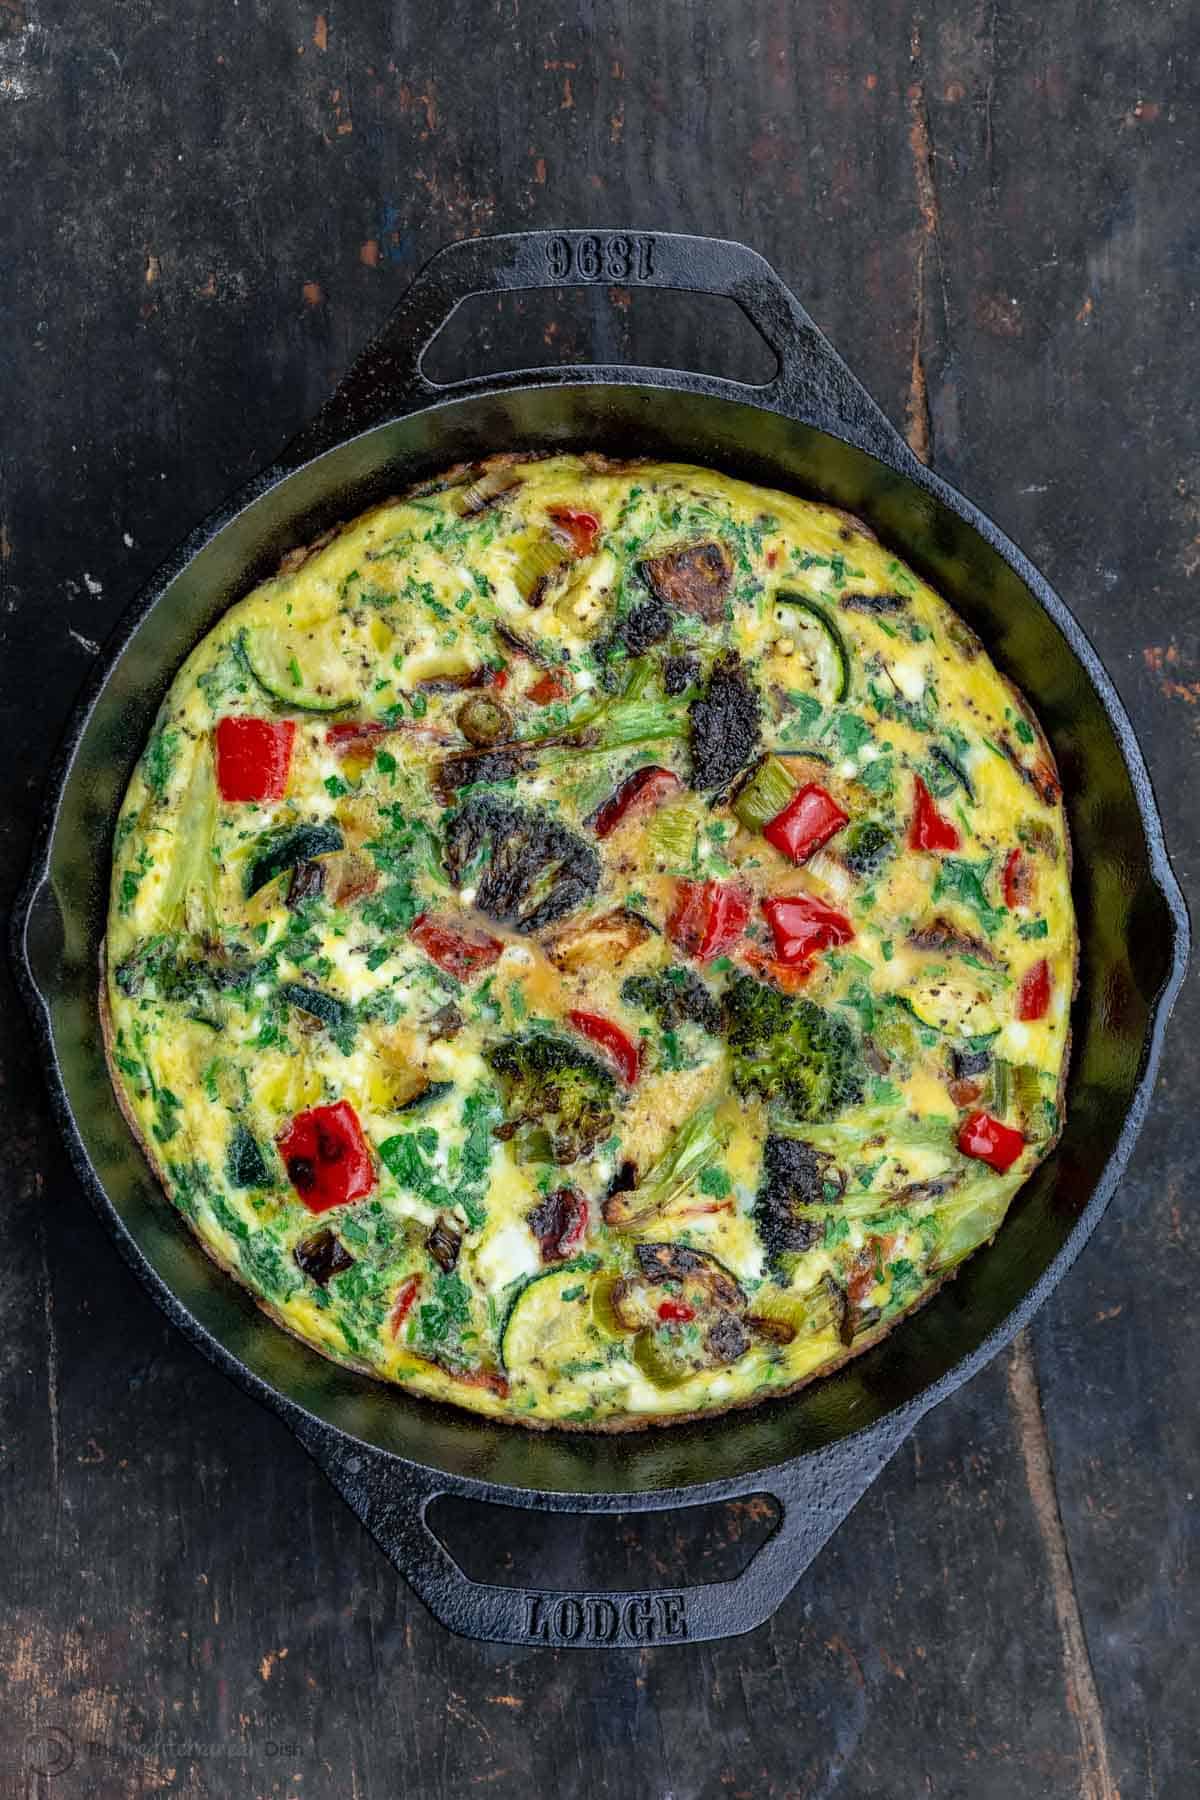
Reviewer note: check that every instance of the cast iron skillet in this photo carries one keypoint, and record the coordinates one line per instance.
(811, 429)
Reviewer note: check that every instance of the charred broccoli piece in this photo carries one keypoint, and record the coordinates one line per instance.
(794, 1175)
(556, 1095)
(866, 847)
(647, 624)
(724, 724)
(675, 996)
(791, 1051)
(532, 869)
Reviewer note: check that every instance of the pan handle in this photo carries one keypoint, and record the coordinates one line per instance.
(812, 384)
(392, 1498)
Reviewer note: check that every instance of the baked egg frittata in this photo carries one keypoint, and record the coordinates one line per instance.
(592, 942)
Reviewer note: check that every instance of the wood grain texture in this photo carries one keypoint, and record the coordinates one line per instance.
(208, 211)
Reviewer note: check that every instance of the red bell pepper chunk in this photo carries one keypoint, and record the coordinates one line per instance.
(1017, 880)
(803, 926)
(676, 1312)
(406, 1293)
(1033, 995)
(989, 1141)
(929, 831)
(644, 789)
(548, 686)
(582, 528)
(709, 916)
(326, 1156)
(789, 978)
(612, 1040)
(460, 950)
(253, 757)
(500, 678)
(810, 818)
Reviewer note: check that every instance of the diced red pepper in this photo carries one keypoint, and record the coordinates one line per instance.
(500, 678)
(406, 1293)
(254, 757)
(789, 979)
(709, 916)
(549, 686)
(803, 926)
(644, 789)
(461, 950)
(810, 818)
(989, 1141)
(582, 528)
(676, 1312)
(1033, 995)
(355, 735)
(929, 831)
(612, 1040)
(326, 1156)
(1017, 880)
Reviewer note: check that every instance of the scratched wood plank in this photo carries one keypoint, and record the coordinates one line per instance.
(984, 205)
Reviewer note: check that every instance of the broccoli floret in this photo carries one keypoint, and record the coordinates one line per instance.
(675, 997)
(867, 846)
(533, 870)
(556, 1096)
(794, 1176)
(725, 725)
(791, 1051)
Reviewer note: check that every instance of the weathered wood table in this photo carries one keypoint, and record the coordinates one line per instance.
(991, 208)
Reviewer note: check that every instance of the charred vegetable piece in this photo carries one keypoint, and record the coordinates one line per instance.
(804, 1061)
(675, 996)
(694, 1147)
(880, 605)
(326, 1157)
(695, 579)
(483, 721)
(253, 758)
(794, 1175)
(603, 942)
(466, 767)
(688, 1312)
(640, 792)
(432, 1092)
(559, 1223)
(532, 870)
(765, 793)
(333, 1013)
(552, 1083)
(725, 725)
(965, 1064)
(446, 1022)
(488, 488)
(866, 847)
(280, 850)
(460, 949)
(948, 939)
(680, 673)
(444, 1243)
(307, 883)
(322, 1256)
(245, 1164)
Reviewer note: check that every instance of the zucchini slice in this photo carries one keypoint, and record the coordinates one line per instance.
(951, 1003)
(277, 851)
(547, 1339)
(821, 645)
(312, 667)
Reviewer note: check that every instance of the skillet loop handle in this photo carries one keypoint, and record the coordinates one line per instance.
(392, 1499)
(812, 384)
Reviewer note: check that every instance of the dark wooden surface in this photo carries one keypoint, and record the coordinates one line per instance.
(991, 208)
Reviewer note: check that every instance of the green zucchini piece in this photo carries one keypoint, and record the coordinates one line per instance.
(542, 1331)
(825, 645)
(331, 1011)
(245, 1164)
(277, 851)
(765, 794)
(307, 668)
(951, 1005)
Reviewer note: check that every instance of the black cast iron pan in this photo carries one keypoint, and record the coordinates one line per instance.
(811, 429)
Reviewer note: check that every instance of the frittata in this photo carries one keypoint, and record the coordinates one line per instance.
(592, 942)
